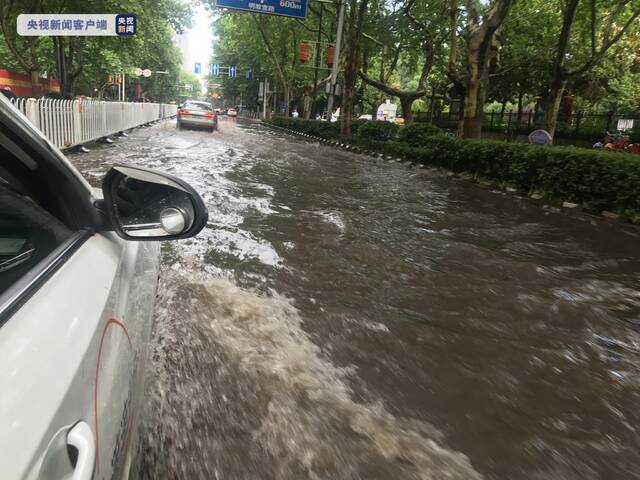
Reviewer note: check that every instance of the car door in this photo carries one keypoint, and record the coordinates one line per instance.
(75, 320)
(72, 352)
(77, 285)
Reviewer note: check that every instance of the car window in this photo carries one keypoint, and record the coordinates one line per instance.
(28, 232)
(198, 106)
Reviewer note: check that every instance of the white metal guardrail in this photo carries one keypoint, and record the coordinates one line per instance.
(68, 123)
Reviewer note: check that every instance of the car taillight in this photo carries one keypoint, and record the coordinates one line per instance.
(183, 112)
(209, 115)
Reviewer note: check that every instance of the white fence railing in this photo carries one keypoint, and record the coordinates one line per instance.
(68, 123)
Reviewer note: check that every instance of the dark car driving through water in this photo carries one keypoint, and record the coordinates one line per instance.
(194, 113)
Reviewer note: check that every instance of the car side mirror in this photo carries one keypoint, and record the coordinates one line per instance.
(143, 204)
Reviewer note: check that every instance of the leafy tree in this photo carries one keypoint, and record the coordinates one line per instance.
(268, 45)
(353, 61)
(426, 21)
(88, 60)
(189, 84)
(523, 62)
(481, 46)
(600, 25)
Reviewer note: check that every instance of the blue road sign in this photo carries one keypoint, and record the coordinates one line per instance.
(215, 69)
(196, 68)
(232, 71)
(284, 8)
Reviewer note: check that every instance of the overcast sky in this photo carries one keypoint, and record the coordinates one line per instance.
(199, 40)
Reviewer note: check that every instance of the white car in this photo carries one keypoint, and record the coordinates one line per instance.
(78, 277)
(232, 112)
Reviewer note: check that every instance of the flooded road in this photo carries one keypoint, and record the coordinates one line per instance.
(342, 317)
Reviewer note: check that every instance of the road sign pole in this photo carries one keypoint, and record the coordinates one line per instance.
(336, 60)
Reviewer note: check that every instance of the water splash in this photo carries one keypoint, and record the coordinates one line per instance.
(240, 391)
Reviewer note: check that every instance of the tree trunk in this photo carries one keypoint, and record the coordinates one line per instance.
(261, 24)
(472, 121)
(520, 100)
(346, 110)
(453, 39)
(406, 102)
(352, 64)
(69, 88)
(553, 105)
(307, 102)
(286, 93)
(481, 47)
(559, 81)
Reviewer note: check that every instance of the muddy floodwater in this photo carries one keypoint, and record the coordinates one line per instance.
(343, 317)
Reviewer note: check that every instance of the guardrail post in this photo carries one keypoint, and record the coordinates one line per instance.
(105, 129)
(31, 111)
(77, 122)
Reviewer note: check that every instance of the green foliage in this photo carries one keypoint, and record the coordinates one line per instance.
(563, 130)
(239, 41)
(393, 50)
(377, 130)
(187, 78)
(529, 43)
(90, 59)
(356, 124)
(311, 127)
(597, 179)
(419, 106)
(417, 133)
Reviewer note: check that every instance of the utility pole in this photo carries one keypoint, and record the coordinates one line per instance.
(315, 72)
(336, 59)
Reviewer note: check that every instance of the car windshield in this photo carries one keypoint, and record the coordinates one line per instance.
(198, 106)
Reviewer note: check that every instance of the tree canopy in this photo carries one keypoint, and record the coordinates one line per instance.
(534, 54)
(89, 60)
(531, 53)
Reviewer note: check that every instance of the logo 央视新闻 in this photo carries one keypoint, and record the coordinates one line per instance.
(126, 24)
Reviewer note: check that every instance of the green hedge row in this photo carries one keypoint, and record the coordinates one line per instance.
(597, 179)
(362, 129)
(585, 132)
